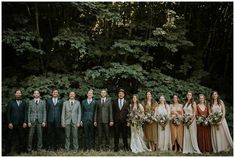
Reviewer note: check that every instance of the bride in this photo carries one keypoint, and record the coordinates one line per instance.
(137, 135)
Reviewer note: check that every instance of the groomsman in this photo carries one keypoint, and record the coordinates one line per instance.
(103, 117)
(54, 109)
(71, 120)
(17, 119)
(120, 111)
(88, 110)
(36, 119)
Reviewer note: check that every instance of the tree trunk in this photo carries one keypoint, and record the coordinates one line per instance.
(38, 38)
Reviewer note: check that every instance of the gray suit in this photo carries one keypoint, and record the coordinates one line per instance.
(103, 115)
(71, 116)
(36, 116)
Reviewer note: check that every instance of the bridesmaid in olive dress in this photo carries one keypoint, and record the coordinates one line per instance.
(150, 129)
(221, 138)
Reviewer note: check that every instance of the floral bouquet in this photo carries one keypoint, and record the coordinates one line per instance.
(176, 120)
(162, 120)
(202, 120)
(187, 119)
(136, 118)
(149, 117)
(215, 117)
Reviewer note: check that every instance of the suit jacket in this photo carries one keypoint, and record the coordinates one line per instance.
(88, 111)
(17, 115)
(71, 113)
(54, 111)
(120, 115)
(104, 113)
(37, 111)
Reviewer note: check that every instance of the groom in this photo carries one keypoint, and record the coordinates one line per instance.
(120, 111)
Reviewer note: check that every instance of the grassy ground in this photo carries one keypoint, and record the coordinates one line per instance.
(120, 153)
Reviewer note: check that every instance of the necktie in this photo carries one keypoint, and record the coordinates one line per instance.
(120, 104)
(36, 102)
(71, 103)
(102, 101)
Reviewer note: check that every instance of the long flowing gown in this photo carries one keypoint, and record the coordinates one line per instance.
(164, 136)
(177, 131)
(137, 137)
(221, 138)
(190, 144)
(150, 129)
(204, 132)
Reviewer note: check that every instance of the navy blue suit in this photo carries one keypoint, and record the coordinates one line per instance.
(17, 115)
(88, 111)
(54, 122)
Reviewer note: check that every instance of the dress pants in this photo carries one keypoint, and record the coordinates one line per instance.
(103, 129)
(120, 128)
(16, 136)
(35, 126)
(89, 135)
(68, 128)
(54, 130)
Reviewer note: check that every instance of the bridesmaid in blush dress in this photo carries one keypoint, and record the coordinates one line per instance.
(203, 130)
(221, 138)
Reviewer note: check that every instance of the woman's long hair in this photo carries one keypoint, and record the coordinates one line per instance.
(191, 100)
(212, 100)
(178, 99)
(153, 102)
(132, 102)
(164, 101)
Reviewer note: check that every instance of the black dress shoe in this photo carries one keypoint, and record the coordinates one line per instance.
(127, 149)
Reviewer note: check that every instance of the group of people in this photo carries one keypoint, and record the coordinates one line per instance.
(104, 113)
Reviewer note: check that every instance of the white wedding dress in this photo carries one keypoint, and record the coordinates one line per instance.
(137, 137)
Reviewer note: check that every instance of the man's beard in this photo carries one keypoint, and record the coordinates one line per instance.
(18, 98)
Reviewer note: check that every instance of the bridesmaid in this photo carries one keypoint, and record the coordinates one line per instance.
(150, 129)
(221, 138)
(164, 136)
(203, 131)
(190, 144)
(177, 131)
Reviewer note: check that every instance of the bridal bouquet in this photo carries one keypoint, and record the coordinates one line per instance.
(187, 119)
(162, 120)
(202, 120)
(149, 117)
(136, 118)
(215, 117)
(176, 120)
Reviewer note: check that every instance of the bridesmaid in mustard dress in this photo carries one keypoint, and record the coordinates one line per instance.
(177, 130)
(221, 138)
(150, 129)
